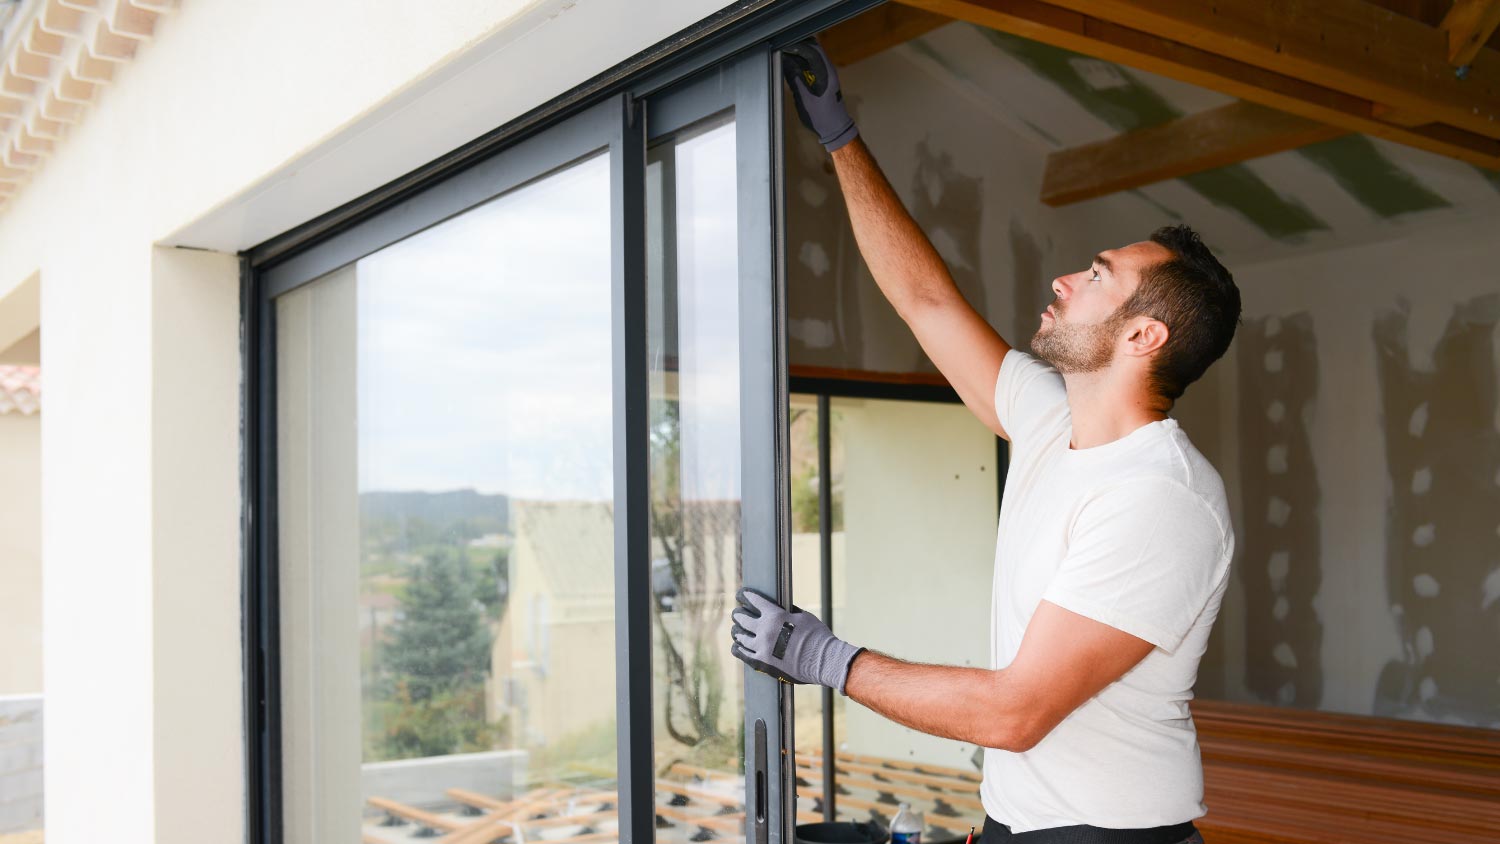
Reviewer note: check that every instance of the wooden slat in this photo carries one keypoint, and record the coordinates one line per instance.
(1469, 24)
(1214, 138)
(869, 376)
(906, 765)
(897, 789)
(951, 783)
(411, 813)
(696, 793)
(879, 29)
(1347, 45)
(1087, 34)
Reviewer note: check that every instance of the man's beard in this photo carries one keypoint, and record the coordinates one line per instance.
(1074, 348)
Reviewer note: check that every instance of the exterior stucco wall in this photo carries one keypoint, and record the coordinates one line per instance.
(21, 553)
(236, 122)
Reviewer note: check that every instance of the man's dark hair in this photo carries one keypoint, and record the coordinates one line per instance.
(1195, 297)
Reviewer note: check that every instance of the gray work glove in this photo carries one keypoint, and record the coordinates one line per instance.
(815, 91)
(790, 645)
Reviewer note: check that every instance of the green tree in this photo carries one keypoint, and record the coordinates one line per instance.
(442, 641)
(437, 658)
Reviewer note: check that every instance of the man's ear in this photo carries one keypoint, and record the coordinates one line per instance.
(1145, 336)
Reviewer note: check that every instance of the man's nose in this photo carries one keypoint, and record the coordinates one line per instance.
(1060, 288)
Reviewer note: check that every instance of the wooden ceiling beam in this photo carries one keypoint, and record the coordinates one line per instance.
(1352, 46)
(1469, 24)
(1214, 138)
(1048, 23)
(879, 29)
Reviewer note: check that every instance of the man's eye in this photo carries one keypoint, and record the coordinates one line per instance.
(1095, 276)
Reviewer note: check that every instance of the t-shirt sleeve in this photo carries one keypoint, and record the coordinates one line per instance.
(1025, 390)
(1143, 557)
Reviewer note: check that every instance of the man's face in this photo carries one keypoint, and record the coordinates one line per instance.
(1081, 327)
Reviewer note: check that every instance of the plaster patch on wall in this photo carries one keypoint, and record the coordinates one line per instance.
(1442, 547)
(812, 193)
(1374, 181)
(813, 333)
(949, 206)
(1124, 103)
(1281, 563)
(1490, 588)
(814, 257)
(825, 272)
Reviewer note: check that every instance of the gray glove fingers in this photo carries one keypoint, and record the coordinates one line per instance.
(755, 601)
(807, 64)
(763, 667)
(737, 631)
(743, 620)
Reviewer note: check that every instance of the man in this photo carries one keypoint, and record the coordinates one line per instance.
(1114, 539)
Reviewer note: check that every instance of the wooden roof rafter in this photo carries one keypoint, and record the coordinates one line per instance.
(1286, 70)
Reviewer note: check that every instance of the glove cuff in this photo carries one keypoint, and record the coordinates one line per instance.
(841, 659)
(841, 137)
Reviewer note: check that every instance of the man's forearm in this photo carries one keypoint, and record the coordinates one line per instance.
(967, 704)
(900, 256)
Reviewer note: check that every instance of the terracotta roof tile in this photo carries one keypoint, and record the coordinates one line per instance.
(20, 389)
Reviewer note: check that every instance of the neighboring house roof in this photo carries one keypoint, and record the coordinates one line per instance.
(572, 543)
(57, 55)
(20, 389)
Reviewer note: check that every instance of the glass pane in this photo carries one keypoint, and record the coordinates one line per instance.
(446, 529)
(693, 348)
(807, 590)
(914, 486)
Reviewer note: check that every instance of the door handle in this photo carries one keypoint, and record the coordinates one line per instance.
(759, 831)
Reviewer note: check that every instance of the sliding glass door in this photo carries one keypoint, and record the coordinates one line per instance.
(717, 518)
(521, 436)
(447, 519)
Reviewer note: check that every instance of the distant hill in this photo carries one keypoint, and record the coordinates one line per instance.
(440, 510)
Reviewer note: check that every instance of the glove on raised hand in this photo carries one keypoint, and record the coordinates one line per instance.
(815, 90)
(790, 645)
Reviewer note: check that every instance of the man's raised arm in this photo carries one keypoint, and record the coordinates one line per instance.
(903, 261)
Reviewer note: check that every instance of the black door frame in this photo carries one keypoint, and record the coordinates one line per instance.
(750, 86)
(605, 113)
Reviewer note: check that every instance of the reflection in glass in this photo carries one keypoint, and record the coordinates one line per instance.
(913, 489)
(446, 540)
(693, 348)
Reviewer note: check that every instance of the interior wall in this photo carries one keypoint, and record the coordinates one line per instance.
(968, 179)
(920, 512)
(1368, 471)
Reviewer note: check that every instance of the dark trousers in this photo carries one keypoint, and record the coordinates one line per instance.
(998, 833)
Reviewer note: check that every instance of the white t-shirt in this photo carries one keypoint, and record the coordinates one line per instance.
(1135, 534)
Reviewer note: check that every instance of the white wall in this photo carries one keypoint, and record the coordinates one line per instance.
(1366, 606)
(920, 512)
(21, 536)
(20, 553)
(236, 122)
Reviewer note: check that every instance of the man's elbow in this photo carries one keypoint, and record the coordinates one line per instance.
(1020, 722)
(1017, 732)
(1015, 737)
